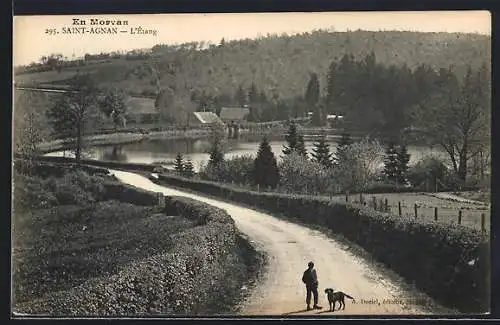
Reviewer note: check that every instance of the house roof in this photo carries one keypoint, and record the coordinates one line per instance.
(140, 105)
(333, 116)
(206, 117)
(234, 113)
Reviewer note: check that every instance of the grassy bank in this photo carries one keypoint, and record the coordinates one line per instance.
(448, 262)
(85, 244)
(124, 138)
(153, 132)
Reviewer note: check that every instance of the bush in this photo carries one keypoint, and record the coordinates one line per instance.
(237, 170)
(450, 263)
(128, 194)
(358, 165)
(68, 192)
(115, 234)
(300, 175)
(428, 168)
(31, 193)
(200, 273)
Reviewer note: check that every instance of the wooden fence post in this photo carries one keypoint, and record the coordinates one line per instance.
(435, 214)
(160, 199)
(258, 188)
(459, 217)
(347, 196)
(386, 205)
(361, 198)
(483, 222)
(416, 211)
(399, 208)
(374, 203)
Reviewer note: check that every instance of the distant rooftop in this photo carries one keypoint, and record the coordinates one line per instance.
(333, 116)
(206, 117)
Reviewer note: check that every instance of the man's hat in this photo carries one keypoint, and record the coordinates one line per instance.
(310, 264)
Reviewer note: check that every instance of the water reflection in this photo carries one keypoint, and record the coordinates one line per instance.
(114, 153)
(165, 150)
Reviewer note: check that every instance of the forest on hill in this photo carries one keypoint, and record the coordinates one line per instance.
(280, 65)
(376, 76)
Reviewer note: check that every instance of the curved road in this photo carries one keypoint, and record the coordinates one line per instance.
(289, 247)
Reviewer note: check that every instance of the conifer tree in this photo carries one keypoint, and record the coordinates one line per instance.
(240, 96)
(321, 152)
(344, 143)
(311, 95)
(295, 141)
(216, 155)
(403, 158)
(179, 163)
(265, 172)
(188, 169)
(301, 146)
(217, 144)
(318, 118)
(391, 163)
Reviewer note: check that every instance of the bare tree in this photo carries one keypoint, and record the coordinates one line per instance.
(28, 125)
(75, 114)
(114, 106)
(457, 117)
(359, 165)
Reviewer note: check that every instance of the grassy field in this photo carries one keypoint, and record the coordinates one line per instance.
(448, 210)
(75, 236)
(86, 245)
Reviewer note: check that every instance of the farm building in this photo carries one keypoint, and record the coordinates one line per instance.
(234, 114)
(141, 110)
(203, 118)
(333, 117)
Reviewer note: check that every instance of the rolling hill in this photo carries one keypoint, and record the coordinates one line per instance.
(278, 65)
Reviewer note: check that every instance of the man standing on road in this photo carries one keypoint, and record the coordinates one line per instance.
(310, 279)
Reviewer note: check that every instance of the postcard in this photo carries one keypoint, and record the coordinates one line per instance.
(321, 164)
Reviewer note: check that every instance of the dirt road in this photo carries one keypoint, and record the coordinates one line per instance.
(289, 248)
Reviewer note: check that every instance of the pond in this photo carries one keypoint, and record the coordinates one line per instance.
(165, 150)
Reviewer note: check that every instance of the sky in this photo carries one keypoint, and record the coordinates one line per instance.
(31, 40)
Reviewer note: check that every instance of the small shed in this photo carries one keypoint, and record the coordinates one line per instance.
(203, 118)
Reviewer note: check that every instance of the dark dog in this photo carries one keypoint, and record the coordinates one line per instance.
(334, 296)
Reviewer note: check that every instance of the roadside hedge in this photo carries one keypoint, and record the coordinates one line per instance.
(201, 274)
(97, 163)
(129, 194)
(198, 269)
(450, 263)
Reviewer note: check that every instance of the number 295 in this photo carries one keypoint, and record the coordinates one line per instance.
(51, 31)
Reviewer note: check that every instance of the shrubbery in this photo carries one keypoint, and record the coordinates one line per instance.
(75, 243)
(430, 173)
(69, 188)
(301, 175)
(193, 272)
(115, 258)
(238, 170)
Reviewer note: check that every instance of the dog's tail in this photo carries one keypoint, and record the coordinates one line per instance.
(345, 294)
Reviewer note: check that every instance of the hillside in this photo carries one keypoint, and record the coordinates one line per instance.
(278, 65)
